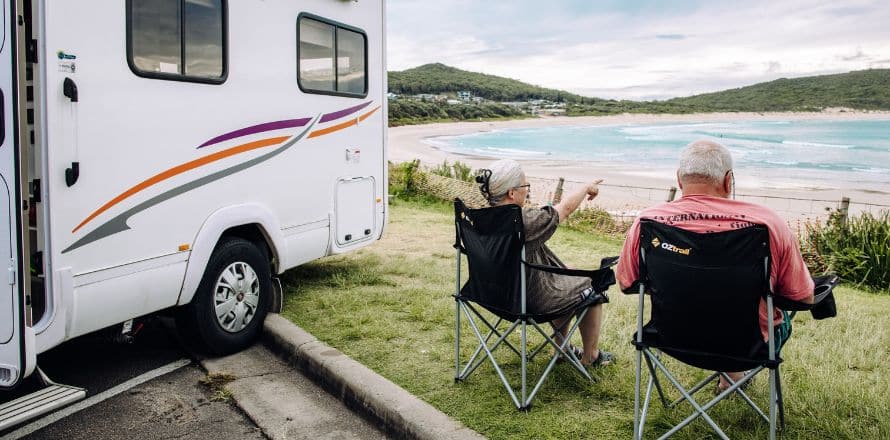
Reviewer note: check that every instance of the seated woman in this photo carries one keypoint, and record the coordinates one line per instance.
(505, 183)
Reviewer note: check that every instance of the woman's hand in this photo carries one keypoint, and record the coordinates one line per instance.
(593, 189)
(570, 203)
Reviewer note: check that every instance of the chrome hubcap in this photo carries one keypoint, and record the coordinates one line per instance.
(236, 296)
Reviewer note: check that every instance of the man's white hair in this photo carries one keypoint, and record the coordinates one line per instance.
(506, 174)
(704, 161)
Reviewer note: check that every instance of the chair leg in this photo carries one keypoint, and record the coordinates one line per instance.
(560, 348)
(524, 363)
(773, 404)
(780, 401)
(638, 429)
(473, 362)
(490, 356)
(700, 411)
(456, 340)
(654, 377)
(747, 378)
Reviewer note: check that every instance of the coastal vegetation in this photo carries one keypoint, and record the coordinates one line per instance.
(438, 78)
(859, 90)
(856, 249)
(407, 112)
(389, 306)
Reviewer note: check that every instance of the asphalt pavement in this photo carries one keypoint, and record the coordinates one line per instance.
(154, 388)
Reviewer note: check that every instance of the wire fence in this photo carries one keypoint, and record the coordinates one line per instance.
(624, 202)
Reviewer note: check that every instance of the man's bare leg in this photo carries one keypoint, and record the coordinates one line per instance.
(735, 376)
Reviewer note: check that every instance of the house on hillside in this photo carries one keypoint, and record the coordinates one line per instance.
(464, 95)
(429, 97)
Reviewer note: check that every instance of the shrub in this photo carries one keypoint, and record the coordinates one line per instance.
(857, 250)
(457, 171)
(403, 177)
(595, 219)
(463, 172)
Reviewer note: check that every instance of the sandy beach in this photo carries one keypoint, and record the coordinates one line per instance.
(626, 188)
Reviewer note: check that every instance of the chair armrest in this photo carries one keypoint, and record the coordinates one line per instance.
(609, 261)
(633, 289)
(822, 296)
(600, 278)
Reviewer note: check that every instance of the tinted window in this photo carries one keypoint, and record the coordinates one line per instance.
(350, 62)
(156, 36)
(177, 39)
(203, 38)
(331, 58)
(317, 55)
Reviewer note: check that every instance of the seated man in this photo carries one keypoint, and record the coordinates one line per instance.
(705, 177)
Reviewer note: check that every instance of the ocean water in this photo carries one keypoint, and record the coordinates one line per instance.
(854, 152)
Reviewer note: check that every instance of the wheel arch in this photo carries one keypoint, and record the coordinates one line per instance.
(252, 222)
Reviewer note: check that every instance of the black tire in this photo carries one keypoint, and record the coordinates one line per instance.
(198, 323)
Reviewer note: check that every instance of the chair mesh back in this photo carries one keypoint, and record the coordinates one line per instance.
(492, 239)
(705, 291)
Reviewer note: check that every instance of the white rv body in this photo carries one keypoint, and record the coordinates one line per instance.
(136, 175)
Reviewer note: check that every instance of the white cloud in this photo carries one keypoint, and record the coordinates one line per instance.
(612, 51)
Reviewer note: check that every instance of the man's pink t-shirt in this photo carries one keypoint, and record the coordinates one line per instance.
(789, 276)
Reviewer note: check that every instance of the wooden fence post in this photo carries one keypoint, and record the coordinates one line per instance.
(672, 193)
(844, 210)
(557, 195)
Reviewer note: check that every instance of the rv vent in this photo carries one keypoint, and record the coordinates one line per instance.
(6, 375)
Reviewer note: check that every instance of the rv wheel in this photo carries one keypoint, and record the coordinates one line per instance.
(227, 312)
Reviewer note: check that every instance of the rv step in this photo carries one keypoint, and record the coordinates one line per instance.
(38, 403)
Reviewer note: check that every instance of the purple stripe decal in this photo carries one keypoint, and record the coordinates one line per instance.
(268, 126)
(341, 113)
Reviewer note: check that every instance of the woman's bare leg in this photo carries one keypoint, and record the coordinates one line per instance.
(590, 333)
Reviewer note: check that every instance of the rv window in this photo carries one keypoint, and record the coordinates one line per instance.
(177, 39)
(331, 58)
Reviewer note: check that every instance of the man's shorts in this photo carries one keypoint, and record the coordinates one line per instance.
(782, 331)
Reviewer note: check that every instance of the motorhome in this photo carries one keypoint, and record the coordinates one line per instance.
(175, 155)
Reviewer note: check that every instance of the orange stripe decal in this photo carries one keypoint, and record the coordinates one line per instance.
(179, 169)
(368, 114)
(333, 128)
(342, 125)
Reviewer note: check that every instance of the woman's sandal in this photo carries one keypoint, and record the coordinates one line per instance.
(575, 351)
(603, 358)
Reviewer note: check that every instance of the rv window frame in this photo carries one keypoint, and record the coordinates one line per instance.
(335, 24)
(180, 76)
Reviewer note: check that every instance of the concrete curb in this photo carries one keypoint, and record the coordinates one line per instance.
(399, 412)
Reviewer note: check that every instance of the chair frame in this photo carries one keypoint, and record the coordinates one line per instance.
(653, 363)
(521, 398)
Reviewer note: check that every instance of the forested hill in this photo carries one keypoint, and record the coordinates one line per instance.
(864, 89)
(438, 78)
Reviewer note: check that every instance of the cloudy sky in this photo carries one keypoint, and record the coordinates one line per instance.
(640, 49)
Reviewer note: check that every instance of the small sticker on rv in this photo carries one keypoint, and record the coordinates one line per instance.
(67, 66)
(66, 56)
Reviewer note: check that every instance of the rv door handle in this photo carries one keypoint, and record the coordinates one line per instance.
(69, 89)
(72, 174)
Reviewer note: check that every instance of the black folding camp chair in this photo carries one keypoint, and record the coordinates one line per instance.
(493, 240)
(705, 292)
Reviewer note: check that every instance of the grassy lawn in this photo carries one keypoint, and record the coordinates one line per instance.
(389, 306)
